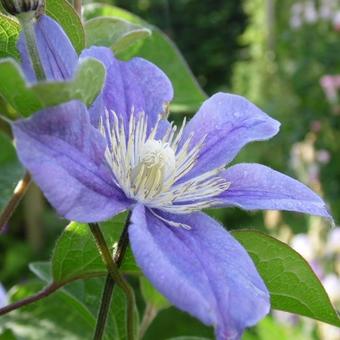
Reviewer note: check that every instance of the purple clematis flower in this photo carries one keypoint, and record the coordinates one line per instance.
(122, 154)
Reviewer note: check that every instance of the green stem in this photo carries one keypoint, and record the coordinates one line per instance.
(150, 313)
(104, 308)
(27, 23)
(118, 278)
(109, 283)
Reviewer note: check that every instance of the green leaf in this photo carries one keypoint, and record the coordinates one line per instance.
(66, 16)
(119, 313)
(113, 32)
(69, 313)
(59, 10)
(27, 99)
(88, 293)
(76, 254)
(59, 316)
(160, 50)
(11, 169)
(292, 283)
(85, 86)
(9, 32)
(152, 296)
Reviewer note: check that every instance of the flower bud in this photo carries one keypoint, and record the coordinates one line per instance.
(16, 7)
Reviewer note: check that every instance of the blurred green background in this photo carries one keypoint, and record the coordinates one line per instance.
(283, 56)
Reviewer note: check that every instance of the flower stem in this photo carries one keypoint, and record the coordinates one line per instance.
(109, 283)
(18, 194)
(149, 315)
(113, 276)
(31, 299)
(77, 6)
(104, 308)
(27, 23)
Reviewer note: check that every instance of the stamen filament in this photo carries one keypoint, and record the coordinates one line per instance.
(147, 169)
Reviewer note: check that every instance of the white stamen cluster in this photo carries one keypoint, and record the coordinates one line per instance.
(147, 169)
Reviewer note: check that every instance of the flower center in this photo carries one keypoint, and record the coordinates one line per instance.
(149, 170)
(156, 165)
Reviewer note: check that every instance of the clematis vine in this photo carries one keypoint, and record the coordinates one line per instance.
(122, 153)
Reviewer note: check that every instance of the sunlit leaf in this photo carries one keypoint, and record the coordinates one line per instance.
(64, 13)
(27, 99)
(59, 10)
(292, 283)
(9, 32)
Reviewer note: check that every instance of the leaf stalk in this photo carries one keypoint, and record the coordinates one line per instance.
(113, 277)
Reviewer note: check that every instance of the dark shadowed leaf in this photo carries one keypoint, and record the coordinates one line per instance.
(60, 316)
(11, 169)
(159, 49)
(69, 313)
(113, 32)
(83, 296)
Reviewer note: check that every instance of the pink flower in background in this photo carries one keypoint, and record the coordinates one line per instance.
(330, 85)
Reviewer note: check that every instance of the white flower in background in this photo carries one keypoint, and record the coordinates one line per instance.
(333, 241)
(336, 20)
(285, 318)
(323, 156)
(332, 285)
(296, 15)
(327, 9)
(3, 297)
(303, 245)
(329, 332)
(310, 13)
